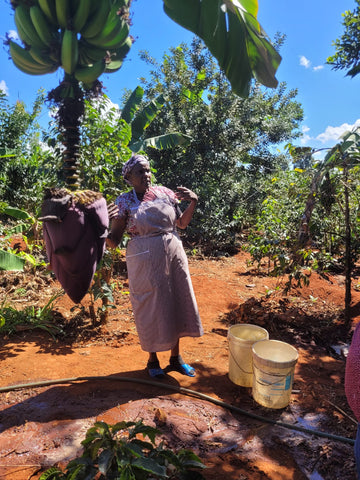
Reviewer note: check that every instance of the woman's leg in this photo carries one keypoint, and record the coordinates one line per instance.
(178, 364)
(153, 357)
(175, 351)
(153, 366)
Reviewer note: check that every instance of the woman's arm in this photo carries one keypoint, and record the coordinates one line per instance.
(183, 193)
(118, 226)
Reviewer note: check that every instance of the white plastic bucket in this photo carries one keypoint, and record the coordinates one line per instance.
(274, 363)
(241, 337)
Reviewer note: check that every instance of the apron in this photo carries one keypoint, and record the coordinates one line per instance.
(161, 291)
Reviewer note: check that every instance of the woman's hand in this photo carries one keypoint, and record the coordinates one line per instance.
(183, 193)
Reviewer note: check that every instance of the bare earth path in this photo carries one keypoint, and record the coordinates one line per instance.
(44, 425)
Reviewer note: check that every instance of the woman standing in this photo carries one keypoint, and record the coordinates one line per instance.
(161, 291)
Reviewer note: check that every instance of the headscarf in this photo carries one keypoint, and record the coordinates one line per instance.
(130, 164)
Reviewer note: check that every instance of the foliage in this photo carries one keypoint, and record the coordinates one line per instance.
(120, 452)
(347, 48)
(275, 231)
(26, 226)
(232, 142)
(274, 238)
(140, 116)
(23, 155)
(17, 125)
(109, 135)
(10, 261)
(104, 147)
(101, 289)
(19, 222)
(233, 35)
(13, 320)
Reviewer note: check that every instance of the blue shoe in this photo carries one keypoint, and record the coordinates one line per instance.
(154, 370)
(178, 365)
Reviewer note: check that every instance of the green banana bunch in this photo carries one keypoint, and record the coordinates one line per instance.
(49, 30)
(90, 73)
(62, 8)
(24, 61)
(69, 51)
(81, 14)
(45, 31)
(116, 57)
(97, 20)
(114, 32)
(49, 10)
(26, 29)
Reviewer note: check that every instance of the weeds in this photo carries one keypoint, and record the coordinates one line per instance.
(121, 452)
(13, 320)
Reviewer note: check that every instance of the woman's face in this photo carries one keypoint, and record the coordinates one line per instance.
(140, 177)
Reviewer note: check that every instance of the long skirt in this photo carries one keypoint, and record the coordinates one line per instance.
(161, 291)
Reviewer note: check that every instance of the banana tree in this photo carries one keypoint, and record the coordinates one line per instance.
(140, 118)
(87, 38)
(344, 156)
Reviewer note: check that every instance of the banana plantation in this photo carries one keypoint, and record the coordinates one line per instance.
(210, 116)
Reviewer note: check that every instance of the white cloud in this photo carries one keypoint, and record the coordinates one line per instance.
(13, 35)
(304, 139)
(334, 133)
(327, 139)
(304, 62)
(4, 87)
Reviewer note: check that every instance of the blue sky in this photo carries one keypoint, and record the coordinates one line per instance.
(330, 99)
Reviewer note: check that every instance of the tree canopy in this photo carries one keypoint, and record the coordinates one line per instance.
(347, 47)
(232, 137)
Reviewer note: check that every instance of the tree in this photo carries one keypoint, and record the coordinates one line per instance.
(110, 134)
(25, 168)
(346, 155)
(16, 123)
(347, 48)
(233, 137)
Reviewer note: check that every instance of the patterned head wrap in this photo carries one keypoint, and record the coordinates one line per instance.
(130, 164)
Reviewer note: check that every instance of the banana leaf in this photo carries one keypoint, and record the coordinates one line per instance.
(348, 149)
(146, 116)
(132, 105)
(161, 142)
(17, 213)
(139, 120)
(233, 35)
(10, 261)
